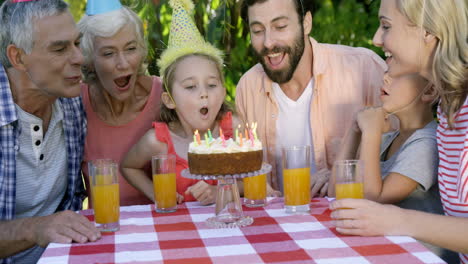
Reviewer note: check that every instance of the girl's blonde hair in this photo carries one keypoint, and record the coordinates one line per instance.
(446, 20)
(170, 115)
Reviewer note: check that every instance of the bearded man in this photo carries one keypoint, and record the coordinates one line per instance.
(302, 92)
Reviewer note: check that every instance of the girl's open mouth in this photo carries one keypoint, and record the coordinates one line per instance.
(204, 110)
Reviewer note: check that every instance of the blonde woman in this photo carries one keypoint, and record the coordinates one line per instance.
(428, 37)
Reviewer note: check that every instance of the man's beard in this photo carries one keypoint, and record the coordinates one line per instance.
(295, 54)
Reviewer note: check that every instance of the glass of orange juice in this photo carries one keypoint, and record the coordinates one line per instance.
(349, 179)
(164, 182)
(255, 188)
(105, 194)
(296, 179)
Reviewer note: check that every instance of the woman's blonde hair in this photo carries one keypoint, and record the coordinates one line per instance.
(446, 20)
(170, 115)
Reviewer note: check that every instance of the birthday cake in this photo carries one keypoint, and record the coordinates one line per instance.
(220, 157)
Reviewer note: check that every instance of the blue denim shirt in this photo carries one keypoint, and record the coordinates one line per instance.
(74, 124)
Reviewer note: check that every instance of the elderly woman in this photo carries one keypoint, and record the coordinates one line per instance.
(120, 100)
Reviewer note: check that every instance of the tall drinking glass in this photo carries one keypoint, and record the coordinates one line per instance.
(255, 190)
(105, 194)
(349, 179)
(296, 178)
(164, 183)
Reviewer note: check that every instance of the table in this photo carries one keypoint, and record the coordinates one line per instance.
(275, 237)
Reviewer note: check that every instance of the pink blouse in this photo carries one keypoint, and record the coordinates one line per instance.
(104, 141)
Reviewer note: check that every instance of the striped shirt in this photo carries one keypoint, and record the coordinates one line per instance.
(74, 125)
(453, 165)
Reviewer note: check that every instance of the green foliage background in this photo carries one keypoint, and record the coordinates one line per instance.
(347, 22)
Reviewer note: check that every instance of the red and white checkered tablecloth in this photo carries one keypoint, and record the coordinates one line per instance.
(275, 237)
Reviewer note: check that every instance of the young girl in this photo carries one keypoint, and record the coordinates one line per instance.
(193, 100)
(399, 167)
(427, 37)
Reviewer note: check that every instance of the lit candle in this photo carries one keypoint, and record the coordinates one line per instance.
(198, 137)
(245, 131)
(209, 135)
(237, 133)
(240, 142)
(194, 139)
(251, 137)
(254, 130)
(221, 135)
(206, 139)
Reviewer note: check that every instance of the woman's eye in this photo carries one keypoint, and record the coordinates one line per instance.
(385, 26)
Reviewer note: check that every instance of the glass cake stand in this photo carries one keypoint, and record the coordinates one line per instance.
(228, 209)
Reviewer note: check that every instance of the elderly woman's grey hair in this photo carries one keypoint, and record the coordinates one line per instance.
(107, 25)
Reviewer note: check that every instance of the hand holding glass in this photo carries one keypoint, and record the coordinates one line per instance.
(349, 179)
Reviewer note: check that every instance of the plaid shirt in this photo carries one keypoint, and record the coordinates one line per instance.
(75, 131)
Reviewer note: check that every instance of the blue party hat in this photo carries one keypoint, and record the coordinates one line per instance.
(95, 7)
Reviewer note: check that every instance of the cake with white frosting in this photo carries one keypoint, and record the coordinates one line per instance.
(221, 157)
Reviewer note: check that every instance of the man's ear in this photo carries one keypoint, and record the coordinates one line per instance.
(167, 100)
(307, 22)
(15, 56)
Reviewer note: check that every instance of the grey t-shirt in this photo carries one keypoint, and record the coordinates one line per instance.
(41, 171)
(418, 160)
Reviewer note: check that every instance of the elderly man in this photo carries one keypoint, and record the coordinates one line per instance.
(42, 128)
(302, 92)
